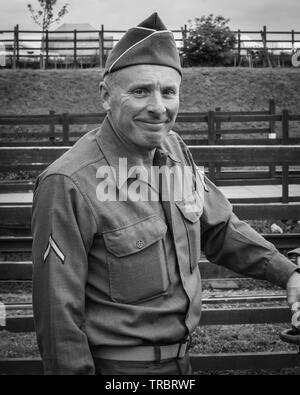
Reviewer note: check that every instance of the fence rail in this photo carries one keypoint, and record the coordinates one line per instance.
(19, 216)
(213, 134)
(210, 301)
(233, 155)
(209, 316)
(287, 241)
(22, 270)
(33, 158)
(205, 362)
(101, 41)
(216, 133)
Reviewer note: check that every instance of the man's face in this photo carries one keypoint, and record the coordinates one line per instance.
(143, 103)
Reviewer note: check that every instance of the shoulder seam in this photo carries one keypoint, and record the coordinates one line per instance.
(84, 196)
(87, 164)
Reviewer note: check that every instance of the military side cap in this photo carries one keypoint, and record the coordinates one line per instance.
(148, 43)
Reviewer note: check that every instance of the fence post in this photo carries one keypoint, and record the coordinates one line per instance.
(218, 138)
(272, 111)
(42, 53)
(239, 47)
(285, 126)
(47, 49)
(264, 40)
(100, 50)
(66, 128)
(75, 48)
(101, 47)
(18, 45)
(211, 141)
(183, 35)
(16, 54)
(211, 127)
(218, 125)
(52, 126)
(285, 168)
(293, 41)
(272, 133)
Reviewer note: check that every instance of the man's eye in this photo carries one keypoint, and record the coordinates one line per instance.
(169, 92)
(140, 92)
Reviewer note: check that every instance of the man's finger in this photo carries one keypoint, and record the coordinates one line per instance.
(293, 289)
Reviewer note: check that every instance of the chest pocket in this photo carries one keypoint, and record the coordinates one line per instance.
(191, 210)
(137, 263)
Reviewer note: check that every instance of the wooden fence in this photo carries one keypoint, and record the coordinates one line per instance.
(101, 43)
(22, 270)
(213, 134)
(216, 132)
(210, 316)
(37, 158)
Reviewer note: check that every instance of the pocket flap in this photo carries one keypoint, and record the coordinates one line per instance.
(135, 237)
(191, 209)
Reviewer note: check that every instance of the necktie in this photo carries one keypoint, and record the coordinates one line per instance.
(159, 160)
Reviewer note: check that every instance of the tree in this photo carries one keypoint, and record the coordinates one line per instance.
(209, 41)
(46, 16)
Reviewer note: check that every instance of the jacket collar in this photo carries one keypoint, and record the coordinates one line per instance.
(113, 150)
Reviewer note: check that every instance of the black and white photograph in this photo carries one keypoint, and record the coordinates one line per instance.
(149, 190)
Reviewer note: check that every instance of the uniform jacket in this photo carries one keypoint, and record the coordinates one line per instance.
(125, 272)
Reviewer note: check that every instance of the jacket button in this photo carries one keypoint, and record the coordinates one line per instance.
(140, 244)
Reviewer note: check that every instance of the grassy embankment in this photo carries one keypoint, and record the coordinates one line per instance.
(76, 91)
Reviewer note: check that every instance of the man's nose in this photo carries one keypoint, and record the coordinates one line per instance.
(156, 104)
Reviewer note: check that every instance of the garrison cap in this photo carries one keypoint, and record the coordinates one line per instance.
(148, 43)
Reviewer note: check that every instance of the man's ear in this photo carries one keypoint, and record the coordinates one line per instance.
(105, 96)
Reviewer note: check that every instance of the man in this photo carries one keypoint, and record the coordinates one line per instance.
(116, 283)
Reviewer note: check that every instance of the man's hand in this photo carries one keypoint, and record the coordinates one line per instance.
(293, 289)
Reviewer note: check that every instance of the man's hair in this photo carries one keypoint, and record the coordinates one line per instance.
(110, 80)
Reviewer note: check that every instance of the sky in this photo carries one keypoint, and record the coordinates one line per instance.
(123, 14)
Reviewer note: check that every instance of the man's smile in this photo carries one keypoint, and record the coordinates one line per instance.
(152, 124)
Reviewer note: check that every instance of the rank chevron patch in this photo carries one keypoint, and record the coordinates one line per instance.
(52, 244)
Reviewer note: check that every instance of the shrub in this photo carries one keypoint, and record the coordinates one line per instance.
(208, 42)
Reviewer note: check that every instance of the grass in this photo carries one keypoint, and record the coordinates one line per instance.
(76, 91)
(206, 340)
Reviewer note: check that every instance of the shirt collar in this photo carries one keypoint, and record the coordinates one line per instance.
(113, 149)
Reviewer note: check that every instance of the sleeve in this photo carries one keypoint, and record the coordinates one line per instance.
(63, 227)
(232, 243)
